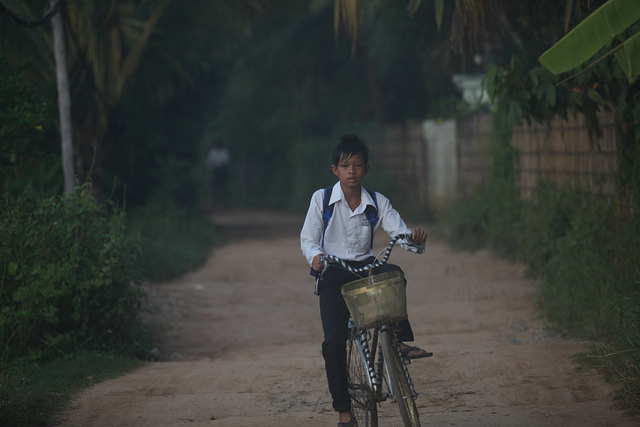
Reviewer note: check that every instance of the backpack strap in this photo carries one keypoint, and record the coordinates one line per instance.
(370, 212)
(327, 210)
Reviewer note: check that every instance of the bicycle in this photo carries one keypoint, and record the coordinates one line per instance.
(375, 366)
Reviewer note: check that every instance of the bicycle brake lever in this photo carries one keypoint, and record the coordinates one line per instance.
(325, 265)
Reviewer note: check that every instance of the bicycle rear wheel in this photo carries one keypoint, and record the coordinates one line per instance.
(398, 380)
(363, 404)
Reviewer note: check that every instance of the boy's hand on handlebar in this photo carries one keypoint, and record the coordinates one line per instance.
(418, 236)
(317, 264)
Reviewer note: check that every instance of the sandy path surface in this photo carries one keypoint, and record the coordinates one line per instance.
(240, 345)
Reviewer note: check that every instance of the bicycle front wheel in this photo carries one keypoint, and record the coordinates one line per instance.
(363, 404)
(399, 383)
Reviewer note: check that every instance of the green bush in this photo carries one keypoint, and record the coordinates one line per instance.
(67, 277)
(568, 241)
(556, 219)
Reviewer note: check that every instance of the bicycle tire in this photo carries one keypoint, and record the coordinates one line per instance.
(398, 380)
(363, 405)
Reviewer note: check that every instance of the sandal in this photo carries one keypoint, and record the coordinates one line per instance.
(350, 423)
(421, 353)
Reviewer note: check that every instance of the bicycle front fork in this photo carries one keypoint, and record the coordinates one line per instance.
(362, 341)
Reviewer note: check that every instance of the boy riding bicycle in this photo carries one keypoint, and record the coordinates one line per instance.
(340, 222)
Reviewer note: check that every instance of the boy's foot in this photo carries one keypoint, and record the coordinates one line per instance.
(347, 419)
(413, 352)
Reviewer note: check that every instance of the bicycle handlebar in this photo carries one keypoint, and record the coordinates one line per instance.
(326, 259)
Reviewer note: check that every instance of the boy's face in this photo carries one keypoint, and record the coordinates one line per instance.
(350, 170)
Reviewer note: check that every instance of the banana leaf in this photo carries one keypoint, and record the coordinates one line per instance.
(629, 57)
(588, 37)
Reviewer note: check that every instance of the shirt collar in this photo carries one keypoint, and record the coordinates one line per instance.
(366, 198)
(338, 195)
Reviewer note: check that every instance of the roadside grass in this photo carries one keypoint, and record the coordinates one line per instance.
(173, 241)
(34, 393)
(620, 361)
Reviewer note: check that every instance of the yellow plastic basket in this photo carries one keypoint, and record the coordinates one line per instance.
(376, 299)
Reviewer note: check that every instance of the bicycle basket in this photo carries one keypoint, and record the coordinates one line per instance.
(377, 299)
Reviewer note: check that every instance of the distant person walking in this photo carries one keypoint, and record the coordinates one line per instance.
(218, 161)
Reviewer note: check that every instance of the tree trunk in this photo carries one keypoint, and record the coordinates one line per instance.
(64, 102)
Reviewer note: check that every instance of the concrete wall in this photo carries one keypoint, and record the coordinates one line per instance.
(439, 138)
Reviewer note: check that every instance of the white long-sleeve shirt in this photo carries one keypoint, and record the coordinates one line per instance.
(348, 235)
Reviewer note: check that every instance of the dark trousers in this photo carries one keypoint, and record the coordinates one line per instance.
(335, 317)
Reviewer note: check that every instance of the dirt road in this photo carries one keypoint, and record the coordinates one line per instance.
(240, 345)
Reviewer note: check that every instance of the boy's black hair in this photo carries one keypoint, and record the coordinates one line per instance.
(349, 145)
